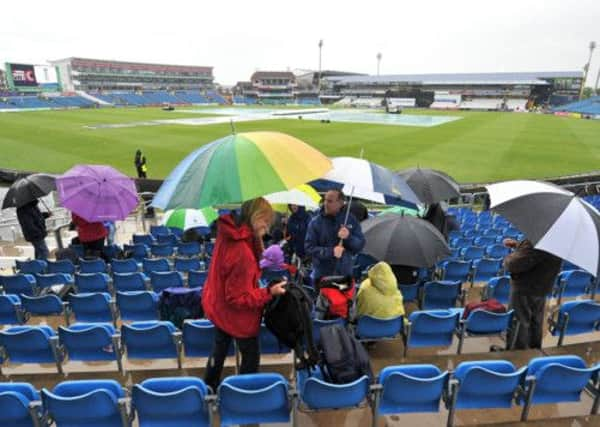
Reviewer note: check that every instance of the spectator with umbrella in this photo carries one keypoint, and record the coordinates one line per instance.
(24, 194)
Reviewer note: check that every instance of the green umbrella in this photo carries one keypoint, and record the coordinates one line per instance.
(189, 218)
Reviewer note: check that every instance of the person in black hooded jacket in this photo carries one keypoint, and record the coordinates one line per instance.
(297, 225)
(33, 225)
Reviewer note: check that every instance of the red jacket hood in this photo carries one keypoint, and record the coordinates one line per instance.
(231, 231)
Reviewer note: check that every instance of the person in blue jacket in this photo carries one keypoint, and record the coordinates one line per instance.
(331, 244)
(297, 224)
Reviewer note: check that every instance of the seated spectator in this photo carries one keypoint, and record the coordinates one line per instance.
(91, 235)
(378, 295)
(272, 260)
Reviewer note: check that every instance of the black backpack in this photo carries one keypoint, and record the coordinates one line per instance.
(344, 357)
(288, 317)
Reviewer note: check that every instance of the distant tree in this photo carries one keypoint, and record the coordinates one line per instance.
(588, 92)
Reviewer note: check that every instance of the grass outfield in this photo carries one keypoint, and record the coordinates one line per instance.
(481, 147)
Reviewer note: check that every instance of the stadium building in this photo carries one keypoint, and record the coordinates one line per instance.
(478, 91)
(267, 87)
(3, 86)
(81, 74)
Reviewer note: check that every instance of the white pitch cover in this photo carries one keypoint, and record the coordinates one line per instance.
(351, 171)
(571, 238)
(505, 191)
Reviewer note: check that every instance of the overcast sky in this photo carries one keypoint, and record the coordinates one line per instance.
(239, 37)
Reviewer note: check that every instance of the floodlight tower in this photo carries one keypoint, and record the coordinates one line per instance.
(320, 51)
(586, 68)
(378, 62)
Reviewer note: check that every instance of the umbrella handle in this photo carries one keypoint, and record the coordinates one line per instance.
(45, 205)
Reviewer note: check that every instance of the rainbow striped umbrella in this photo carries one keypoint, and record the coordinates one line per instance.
(240, 167)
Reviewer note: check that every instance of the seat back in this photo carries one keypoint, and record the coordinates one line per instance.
(14, 404)
(42, 306)
(432, 328)
(253, 399)
(61, 266)
(184, 265)
(88, 341)
(486, 268)
(34, 266)
(171, 402)
(425, 382)
(51, 279)
(456, 271)
(499, 288)
(189, 249)
(196, 279)
(91, 307)
(150, 265)
(90, 403)
(440, 295)
(138, 251)
(92, 266)
(19, 284)
(145, 239)
(129, 281)
(369, 327)
(137, 305)
(583, 316)
(10, 310)
(199, 337)
(92, 282)
(576, 283)
(128, 265)
(149, 340)
(316, 393)
(162, 249)
(28, 344)
(162, 280)
(481, 322)
(486, 384)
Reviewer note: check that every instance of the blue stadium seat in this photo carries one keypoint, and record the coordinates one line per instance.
(92, 266)
(573, 283)
(48, 280)
(315, 393)
(19, 284)
(152, 340)
(161, 280)
(370, 328)
(160, 264)
(157, 230)
(575, 317)
(91, 342)
(31, 344)
(269, 344)
(46, 305)
(555, 379)
(138, 251)
(167, 239)
(486, 268)
(145, 239)
(189, 249)
(137, 305)
(34, 266)
(199, 338)
(441, 295)
(162, 250)
(456, 270)
(128, 265)
(430, 328)
(172, 402)
(496, 251)
(20, 405)
(498, 288)
(93, 403)
(485, 323)
(129, 282)
(485, 241)
(11, 311)
(254, 398)
(410, 293)
(472, 253)
(425, 382)
(196, 279)
(92, 282)
(184, 265)
(93, 307)
(61, 266)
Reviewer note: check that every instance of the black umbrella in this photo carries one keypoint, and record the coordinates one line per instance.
(28, 189)
(430, 185)
(404, 240)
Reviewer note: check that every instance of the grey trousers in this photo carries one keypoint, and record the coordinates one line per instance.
(529, 311)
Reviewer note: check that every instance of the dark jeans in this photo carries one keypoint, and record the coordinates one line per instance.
(40, 249)
(248, 347)
(529, 311)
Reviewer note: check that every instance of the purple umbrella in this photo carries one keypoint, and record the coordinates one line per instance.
(97, 193)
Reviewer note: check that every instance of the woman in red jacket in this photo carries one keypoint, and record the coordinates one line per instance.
(91, 235)
(232, 298)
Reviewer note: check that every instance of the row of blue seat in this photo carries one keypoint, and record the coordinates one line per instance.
(269, 398)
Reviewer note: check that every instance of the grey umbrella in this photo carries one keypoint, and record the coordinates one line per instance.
(430, 185)
(28, 189)
(404, 240)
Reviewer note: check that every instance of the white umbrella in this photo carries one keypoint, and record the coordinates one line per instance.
(552, 218)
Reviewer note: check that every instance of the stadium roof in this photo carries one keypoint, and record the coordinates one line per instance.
(527, 78)
(103, 63)
(272, 75)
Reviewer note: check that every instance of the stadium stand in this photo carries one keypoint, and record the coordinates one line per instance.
(481, 104)
(587, 106)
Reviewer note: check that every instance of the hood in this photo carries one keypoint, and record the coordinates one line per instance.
(300, 212)
(382, 277)
(229, 229)
(272, 258)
